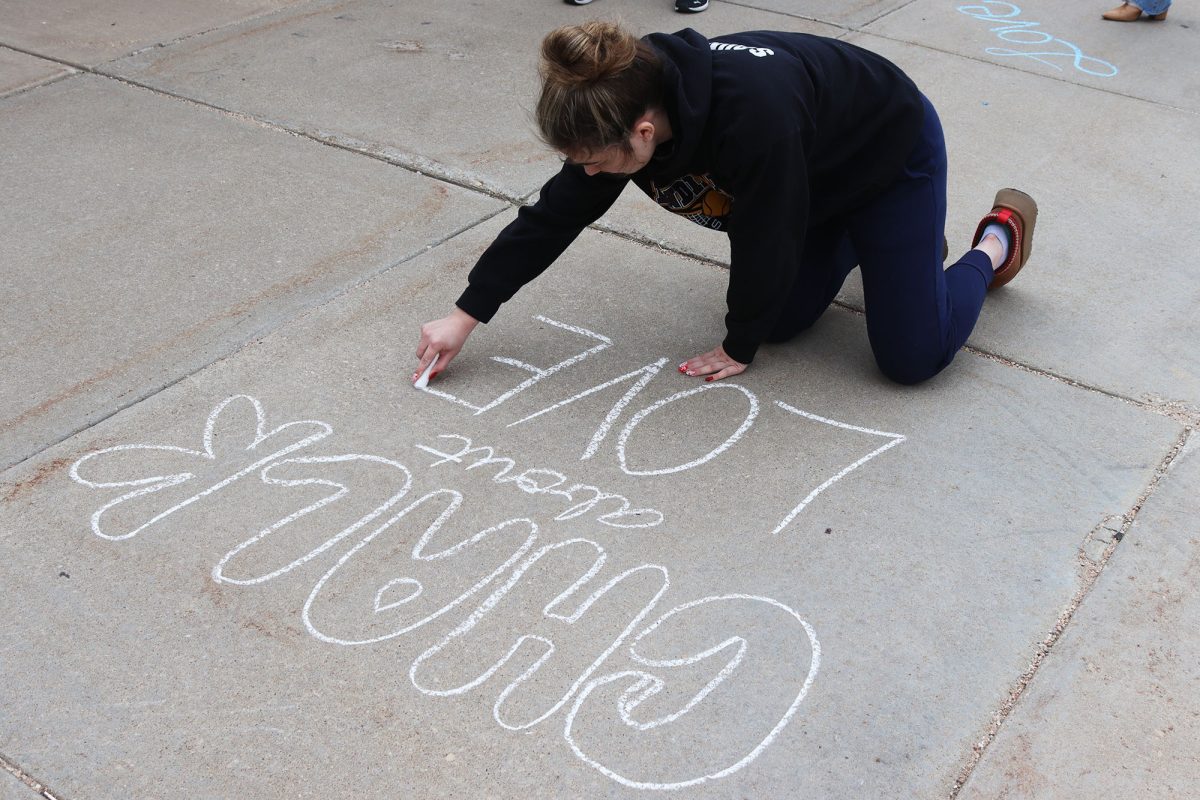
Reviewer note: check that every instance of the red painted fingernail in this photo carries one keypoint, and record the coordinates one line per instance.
(682, 368)
(710, 377)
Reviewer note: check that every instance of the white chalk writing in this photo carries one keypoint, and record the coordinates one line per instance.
(644, 376)
(568, 657)
(547, 481)
(538, 373)
(895, 439)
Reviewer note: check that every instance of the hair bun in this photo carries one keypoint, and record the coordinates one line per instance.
(597, 79)
(577, 55)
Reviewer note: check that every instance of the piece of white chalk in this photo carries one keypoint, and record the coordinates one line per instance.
(423, 381)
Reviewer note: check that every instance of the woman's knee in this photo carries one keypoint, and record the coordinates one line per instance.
(909, 371)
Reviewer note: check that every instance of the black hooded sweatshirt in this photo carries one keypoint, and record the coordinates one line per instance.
(772, 133)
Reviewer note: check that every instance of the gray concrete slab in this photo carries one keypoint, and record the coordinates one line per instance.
(1106, 298)
(363, 98)
(927, 541)
(378, 75)
(1115, 709)
(20, 71)
(87, 33)
(929, 538)
(146, 236)
(1066, 40)
(852, 14)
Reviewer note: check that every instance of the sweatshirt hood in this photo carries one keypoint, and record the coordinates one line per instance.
(687, 95)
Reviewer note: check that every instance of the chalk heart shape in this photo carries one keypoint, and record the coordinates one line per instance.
(228, 437)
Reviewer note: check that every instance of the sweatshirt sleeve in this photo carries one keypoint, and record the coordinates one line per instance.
(770, 215)
(569, 202)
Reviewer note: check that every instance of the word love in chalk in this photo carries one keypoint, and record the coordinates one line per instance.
(1015, 31)
(638, 381)
(652, 699)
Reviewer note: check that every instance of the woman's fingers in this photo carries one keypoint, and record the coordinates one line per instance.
(425, 351)
(697, 367)
(702, 365)
(442, 339)
(712, 366)
(424, 361)
(443, 358)
(727, 372)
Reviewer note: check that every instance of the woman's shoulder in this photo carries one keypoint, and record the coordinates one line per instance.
(759, 66)
(760, 91)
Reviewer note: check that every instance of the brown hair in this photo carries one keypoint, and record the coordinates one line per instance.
(597, 79)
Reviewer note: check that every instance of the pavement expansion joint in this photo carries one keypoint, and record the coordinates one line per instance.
(8, 766)
(411, 162)
(1160, 472)
(255, 335)
(240, 116)
(1091, 570)
(790, 15)
(1177, 410)
(419, 164)
(54, 59)
(415, 163)
(38, 85)
(889, 12)
(1063, 79)
(424, 167)
(284, 11)
(657, 245)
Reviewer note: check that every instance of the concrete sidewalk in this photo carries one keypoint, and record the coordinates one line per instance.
(584, 574)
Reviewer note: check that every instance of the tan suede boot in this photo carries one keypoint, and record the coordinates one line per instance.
(1128, 12)
(1017, 212)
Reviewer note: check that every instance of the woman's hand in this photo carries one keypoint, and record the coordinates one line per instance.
(443, 338)
(715, 364)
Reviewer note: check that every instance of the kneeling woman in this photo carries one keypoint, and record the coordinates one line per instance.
(812, 154)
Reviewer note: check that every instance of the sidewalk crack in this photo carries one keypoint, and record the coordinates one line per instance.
(1090, 573)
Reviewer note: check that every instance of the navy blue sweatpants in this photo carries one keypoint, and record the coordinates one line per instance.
(918, 315)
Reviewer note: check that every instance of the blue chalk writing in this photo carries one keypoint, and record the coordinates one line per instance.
(1019, 31)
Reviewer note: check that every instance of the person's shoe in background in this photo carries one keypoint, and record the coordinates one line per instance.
(691, 6)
